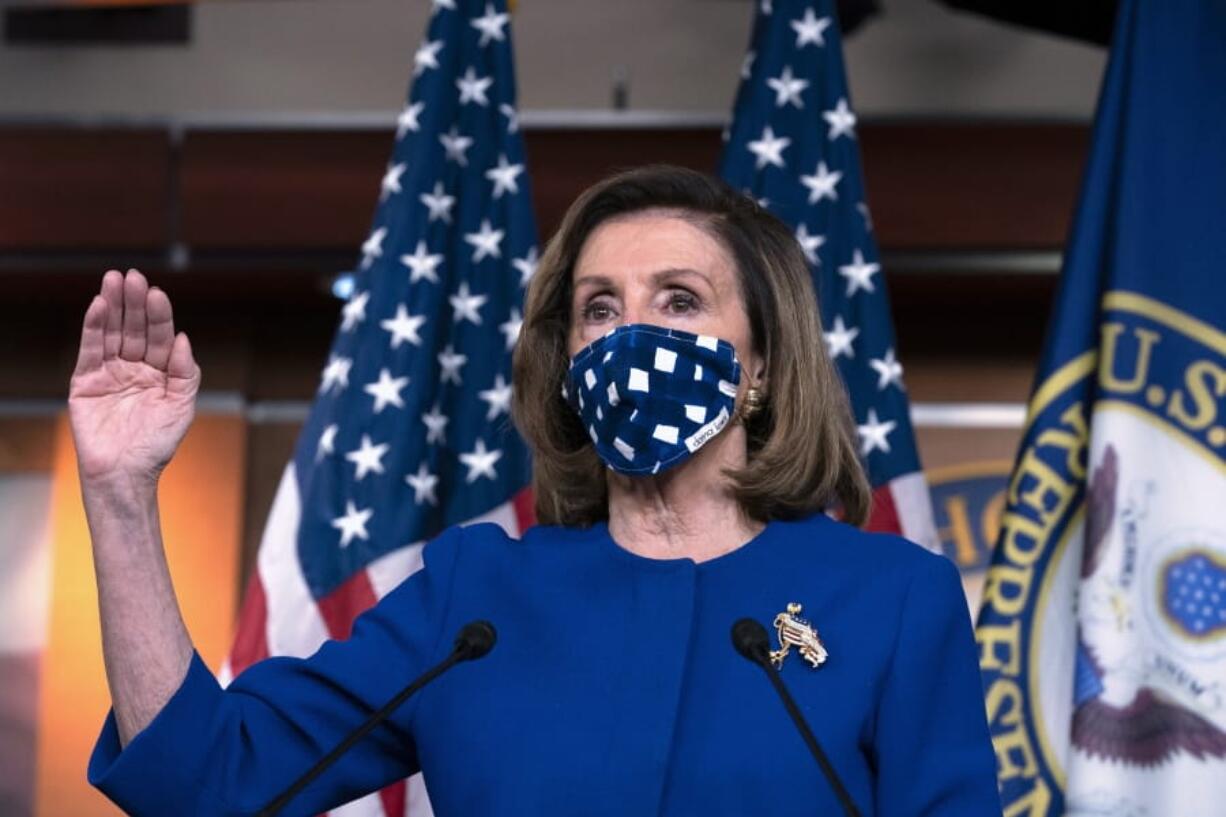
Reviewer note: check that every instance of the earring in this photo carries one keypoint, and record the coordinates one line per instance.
(755, 399)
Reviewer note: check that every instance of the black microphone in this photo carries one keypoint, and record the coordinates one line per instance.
(474, 640)
(750, 639)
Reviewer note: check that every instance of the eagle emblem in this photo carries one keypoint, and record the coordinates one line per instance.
(1135, 703)
(794, 631)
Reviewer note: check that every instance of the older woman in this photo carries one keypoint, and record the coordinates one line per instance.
(688, 435)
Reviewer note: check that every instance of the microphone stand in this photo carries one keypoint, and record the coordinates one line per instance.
(749, 638)
(474, 641)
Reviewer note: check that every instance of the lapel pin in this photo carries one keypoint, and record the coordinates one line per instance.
(794, 631)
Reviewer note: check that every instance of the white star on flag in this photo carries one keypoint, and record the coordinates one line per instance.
(439, 204)
(787, 88)
(873, 434)
(503, 176)
(859, 275)
(466, 306)
(354, 311)
(368, 457)
(485, 241)
(747, 65)
(386, 390)
(888, 369)
(498, 396)
(769, 149)
(407, 121)
(526, 266)
(841, 120)
(436, 426)
(821, 183)
(512, 117)
(490, 25)
(391, 180)
(451, 364)
(868, 217)
(810, 28)
(839, 338)
(810, 244)
(439, 5)
(327, 442)
(423, 484)
(426, 57)
(404, 327)
(422, 264)
(353, 523)
(473, 88)
(456, 146)
(480, 462)
(372, 247)
(511, 328)
(336, 373)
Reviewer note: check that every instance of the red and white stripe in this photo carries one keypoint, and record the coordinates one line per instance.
(904, 506)
(280, 617)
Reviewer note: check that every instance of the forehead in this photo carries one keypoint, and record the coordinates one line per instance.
(649, 241)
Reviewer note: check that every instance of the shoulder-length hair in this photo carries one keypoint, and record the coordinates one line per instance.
(801, 455)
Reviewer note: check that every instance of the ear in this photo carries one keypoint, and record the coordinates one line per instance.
(757, 377)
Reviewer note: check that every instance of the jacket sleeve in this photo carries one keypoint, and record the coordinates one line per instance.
(228, 752)
(933, 750)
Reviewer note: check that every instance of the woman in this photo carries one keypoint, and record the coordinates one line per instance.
(688, 434)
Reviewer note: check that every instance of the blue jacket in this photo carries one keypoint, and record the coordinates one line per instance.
(613, 689)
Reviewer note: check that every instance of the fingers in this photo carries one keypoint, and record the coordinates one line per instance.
(135, 324)
(183, 373)
(161, 332)
(92, 336)
(112, 295)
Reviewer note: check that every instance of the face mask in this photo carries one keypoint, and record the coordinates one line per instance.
(650, 397)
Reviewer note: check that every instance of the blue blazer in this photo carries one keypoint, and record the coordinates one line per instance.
(613, 689)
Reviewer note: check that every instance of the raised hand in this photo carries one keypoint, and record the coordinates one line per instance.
(133, 393)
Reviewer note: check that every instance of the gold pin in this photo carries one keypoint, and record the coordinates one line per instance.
(794, 631)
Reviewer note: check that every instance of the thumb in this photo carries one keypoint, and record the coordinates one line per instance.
(182, 372)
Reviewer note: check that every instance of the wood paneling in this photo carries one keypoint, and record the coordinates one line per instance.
(74, 189)
(931, 185)
(565, 162)
(297, 190)
(972, 186)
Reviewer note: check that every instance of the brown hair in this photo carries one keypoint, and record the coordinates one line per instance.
(801, 454)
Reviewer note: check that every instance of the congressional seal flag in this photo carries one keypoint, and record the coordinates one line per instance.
(1102, 634)
(792, 146)
(410, 429)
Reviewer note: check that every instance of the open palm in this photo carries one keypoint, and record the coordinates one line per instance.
(133, 392)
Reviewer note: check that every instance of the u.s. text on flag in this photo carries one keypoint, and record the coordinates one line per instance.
(410, 429)
(792, 146)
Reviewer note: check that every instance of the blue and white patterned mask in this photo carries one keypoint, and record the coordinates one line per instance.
(650, 397)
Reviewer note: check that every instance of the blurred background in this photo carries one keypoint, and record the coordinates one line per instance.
(232, 151)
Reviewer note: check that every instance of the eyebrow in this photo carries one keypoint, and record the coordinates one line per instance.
(658, 277)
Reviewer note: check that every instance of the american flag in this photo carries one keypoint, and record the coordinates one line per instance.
(792, 145)
(410, 429)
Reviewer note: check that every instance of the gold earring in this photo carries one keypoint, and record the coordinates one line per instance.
(755, 399)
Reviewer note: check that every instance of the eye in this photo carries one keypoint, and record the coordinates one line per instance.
(681, 302)
(597, 310)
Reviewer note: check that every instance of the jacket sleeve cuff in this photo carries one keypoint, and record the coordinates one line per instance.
(158, 772)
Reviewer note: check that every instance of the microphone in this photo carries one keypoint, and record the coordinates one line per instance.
(750, 639)
(474, 640)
